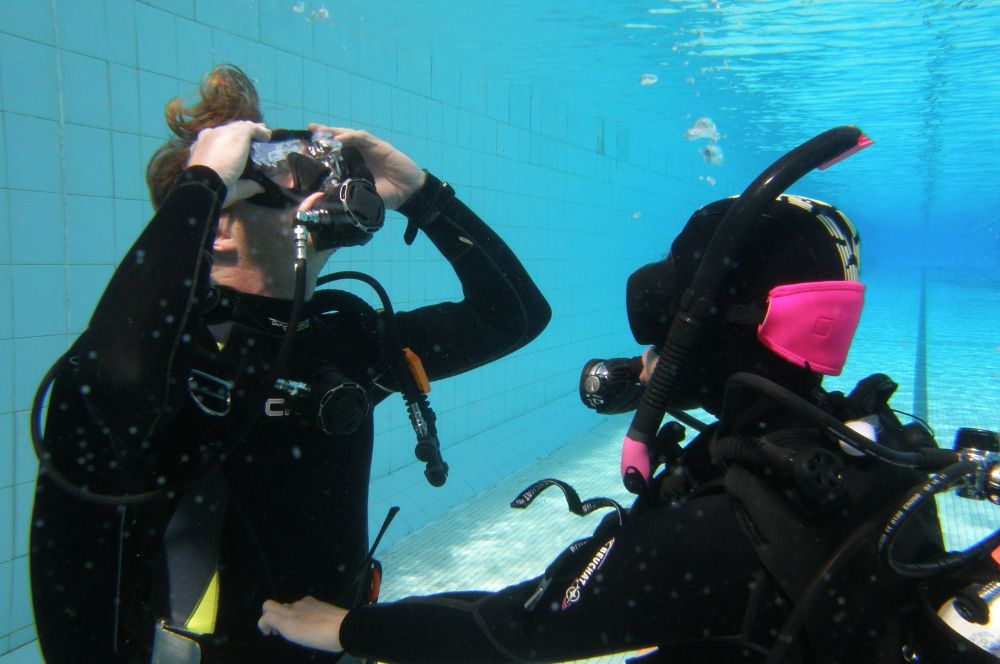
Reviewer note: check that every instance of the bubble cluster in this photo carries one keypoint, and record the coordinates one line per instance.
(702, 128)
(320, 14)
(712, 153)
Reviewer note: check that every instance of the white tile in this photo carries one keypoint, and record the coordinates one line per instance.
(21, 617)
(6, 584)
(24, 496)
(39, 300)
(6, 524)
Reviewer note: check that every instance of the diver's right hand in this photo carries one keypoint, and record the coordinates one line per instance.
(308, 622)
(225, 149)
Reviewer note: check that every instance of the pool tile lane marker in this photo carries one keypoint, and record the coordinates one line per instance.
(920, 408)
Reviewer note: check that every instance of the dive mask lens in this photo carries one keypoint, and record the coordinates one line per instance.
(293, 163)
(270, 166)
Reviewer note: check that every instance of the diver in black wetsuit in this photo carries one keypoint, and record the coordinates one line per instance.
(192, 465)
(758, 540)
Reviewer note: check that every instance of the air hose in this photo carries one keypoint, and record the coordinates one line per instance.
(422, 417)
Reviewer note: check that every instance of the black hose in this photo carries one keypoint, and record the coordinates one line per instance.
(422, 417)
(48, 468)
(929, 458)
(298, 303)
(941, 482)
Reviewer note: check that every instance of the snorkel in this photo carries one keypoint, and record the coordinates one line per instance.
(698, 306)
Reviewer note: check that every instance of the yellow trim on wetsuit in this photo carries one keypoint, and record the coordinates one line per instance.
(202, 619)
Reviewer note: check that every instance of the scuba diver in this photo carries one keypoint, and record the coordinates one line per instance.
(760, 540)
(209, 436)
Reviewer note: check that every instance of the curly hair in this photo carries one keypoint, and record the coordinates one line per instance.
(227, 95)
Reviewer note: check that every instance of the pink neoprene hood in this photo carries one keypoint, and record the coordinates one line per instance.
(812, 324)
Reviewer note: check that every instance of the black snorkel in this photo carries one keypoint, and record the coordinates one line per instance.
(699, 304)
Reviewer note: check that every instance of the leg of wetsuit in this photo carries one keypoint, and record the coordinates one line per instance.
(670, 574)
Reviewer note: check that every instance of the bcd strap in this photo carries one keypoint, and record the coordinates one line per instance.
(424, 205)
(576, 506)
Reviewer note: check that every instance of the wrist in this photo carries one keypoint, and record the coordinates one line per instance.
(425, 204)
(427, 199)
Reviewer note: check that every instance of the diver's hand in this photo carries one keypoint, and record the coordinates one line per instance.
(225, 149)
(396, 175)
(308, 622)
(649, 359)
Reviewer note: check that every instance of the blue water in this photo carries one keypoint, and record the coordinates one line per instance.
(563, 125)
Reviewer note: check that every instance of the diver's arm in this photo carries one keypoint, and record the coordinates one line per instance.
(502, 309)
(440, 628)
(135, 356)
(137, 350)
(425, 630)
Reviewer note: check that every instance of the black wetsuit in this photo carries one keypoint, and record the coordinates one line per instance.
(707, 566)
(251, 486)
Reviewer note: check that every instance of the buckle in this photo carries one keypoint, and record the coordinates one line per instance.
(212, 395)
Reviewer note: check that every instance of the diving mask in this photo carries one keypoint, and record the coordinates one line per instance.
(294, 164)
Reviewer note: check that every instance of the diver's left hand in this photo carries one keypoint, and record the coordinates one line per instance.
(308, 622)
(649, 359)
(396, 175)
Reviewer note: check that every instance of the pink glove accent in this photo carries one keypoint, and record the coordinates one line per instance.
(635, 457)
(812, 324)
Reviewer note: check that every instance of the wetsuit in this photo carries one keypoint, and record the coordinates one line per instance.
(707, 566)
(171, 387)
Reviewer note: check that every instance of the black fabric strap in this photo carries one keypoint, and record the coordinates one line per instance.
(424, 205)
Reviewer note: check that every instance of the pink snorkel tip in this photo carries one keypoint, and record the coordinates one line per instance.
(635, 465)
(863, 142)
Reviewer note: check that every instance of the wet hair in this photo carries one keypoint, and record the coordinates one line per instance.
(227, 95)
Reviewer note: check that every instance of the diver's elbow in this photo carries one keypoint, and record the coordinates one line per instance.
(537, 318)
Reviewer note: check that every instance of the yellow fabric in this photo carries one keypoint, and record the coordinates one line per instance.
(202, 620)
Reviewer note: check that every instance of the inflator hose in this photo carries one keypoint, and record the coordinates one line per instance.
(924, 458)
(422, 417)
